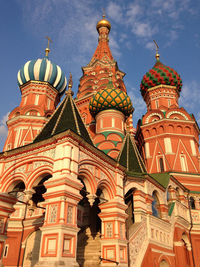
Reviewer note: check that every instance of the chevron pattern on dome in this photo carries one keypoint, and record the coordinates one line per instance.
(111, 98)
(42, 70)
(160, 74)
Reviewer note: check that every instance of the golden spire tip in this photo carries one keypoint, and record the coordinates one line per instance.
(157, 51)
(47, 50)
(70, 84)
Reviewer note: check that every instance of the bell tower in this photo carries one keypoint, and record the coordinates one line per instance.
(168, 136)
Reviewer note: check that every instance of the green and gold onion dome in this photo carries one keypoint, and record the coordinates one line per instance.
(160, 74)
(42, 70)
(110, 98)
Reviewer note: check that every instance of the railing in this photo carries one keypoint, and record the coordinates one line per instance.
(103, 259)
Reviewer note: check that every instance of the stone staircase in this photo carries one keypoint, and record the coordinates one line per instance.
(88, 248)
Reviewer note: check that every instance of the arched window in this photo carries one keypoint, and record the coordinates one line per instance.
(155, 205)
(130, 209)
(192, 203)
(18, 191)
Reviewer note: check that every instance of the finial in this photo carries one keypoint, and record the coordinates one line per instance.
(104, 13)
(157, 53)
(70, 84)
(47, 50)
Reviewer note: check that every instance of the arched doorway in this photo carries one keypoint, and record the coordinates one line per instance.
(130, 210)
(88, 245)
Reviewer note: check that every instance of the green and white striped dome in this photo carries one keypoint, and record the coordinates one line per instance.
(42, 70)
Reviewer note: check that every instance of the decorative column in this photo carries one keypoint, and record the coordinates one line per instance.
(113, 239)
(59, 232)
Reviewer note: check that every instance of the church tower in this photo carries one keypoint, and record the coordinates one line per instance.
(41, 83)
(96, 75)
(168, 136)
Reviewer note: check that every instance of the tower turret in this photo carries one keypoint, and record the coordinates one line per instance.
(41, 83)
(110, 107)
(167, 134)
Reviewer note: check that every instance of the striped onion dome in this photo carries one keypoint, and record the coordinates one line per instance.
(110, 98)
(42, 70)
(160, 74)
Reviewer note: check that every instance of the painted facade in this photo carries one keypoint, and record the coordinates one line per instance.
(81, 187)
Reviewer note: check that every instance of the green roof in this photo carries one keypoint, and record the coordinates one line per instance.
(65, 117)
(130, 157)
(161, 178)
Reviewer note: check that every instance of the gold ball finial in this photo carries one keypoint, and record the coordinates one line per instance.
(103, 22)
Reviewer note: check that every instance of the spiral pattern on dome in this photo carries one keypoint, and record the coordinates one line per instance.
(45, 71)
(160, 74)
(110, 98)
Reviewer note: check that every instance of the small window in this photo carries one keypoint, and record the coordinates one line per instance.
(192, 203)
(169, 102)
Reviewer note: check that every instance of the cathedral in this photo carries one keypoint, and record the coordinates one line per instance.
(80, 186)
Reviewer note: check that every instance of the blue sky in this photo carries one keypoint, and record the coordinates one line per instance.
(174, 24)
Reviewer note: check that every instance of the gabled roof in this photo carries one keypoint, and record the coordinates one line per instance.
(130, 157)
(64, 118)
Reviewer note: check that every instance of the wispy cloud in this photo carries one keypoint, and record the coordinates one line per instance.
(3, 128)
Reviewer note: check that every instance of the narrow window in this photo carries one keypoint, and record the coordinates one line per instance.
(5, 253)
(169, 102)
(161, 165)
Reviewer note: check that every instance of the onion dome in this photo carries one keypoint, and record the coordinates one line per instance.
(110, 98)
(43, 70)
(160, 74)
(103, 23)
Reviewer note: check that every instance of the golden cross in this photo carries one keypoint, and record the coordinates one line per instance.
(104, 13)
(47, 50)
(157, 50)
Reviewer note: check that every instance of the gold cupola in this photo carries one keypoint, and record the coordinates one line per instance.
(103, 23)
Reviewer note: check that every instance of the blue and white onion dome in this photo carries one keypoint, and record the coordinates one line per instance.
(42, 70)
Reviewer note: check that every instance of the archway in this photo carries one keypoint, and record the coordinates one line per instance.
(31, 255)
(130, 209)
(88, 245)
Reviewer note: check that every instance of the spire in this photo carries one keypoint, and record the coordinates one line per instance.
(130, 157)
(66, 117)
(47, 50)
(157, 51)
(70, 84)
(103, 52)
